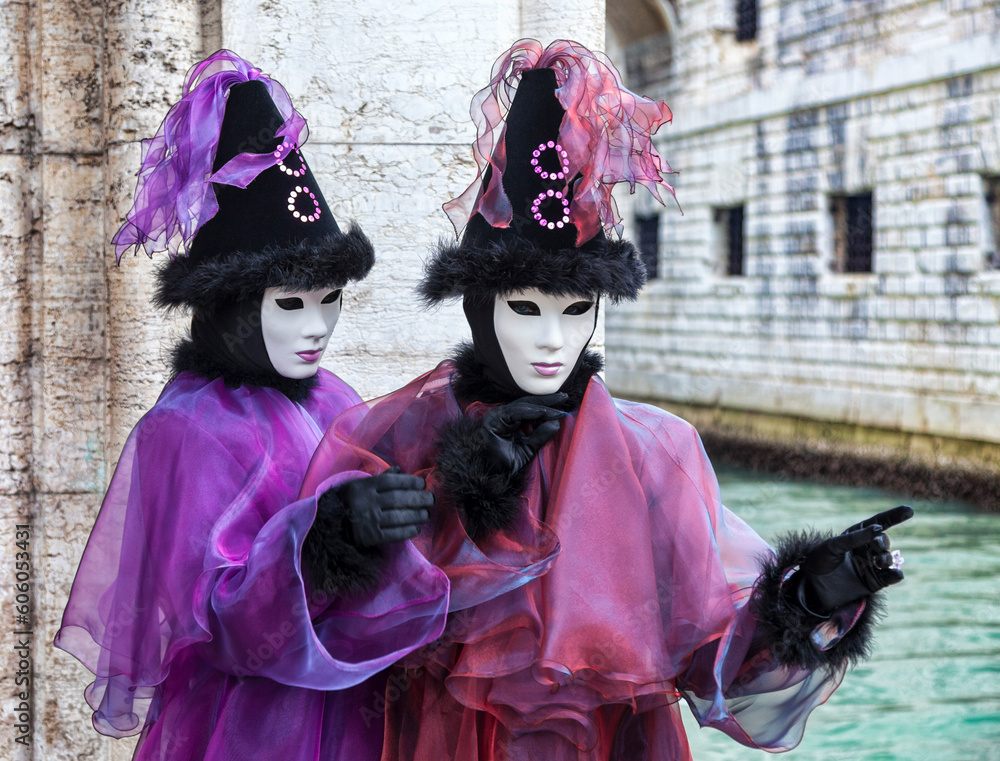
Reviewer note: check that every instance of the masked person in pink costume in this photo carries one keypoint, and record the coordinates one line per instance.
(595, 577)
(222, 617)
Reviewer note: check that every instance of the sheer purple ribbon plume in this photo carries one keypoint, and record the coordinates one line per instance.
(174, 196)
(606, 133)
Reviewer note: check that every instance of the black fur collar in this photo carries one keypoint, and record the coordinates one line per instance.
(187, 355)
(471, 385)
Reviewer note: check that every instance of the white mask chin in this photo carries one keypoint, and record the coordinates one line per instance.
(542, 336)
(297, 326)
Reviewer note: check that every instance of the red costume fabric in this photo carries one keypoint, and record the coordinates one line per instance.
(621, 587)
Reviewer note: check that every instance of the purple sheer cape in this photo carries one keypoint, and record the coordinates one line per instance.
(190, 606)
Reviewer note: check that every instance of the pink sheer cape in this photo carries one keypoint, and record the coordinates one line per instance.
(627, 589)
(190, 606)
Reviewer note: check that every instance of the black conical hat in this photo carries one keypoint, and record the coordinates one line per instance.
(538, 191)
(539, 247)
(278, 231)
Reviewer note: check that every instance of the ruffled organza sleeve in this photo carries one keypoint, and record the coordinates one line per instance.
(196, 556)
(733, 680)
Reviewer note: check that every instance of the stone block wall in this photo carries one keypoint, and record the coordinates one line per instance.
(83, 82)
(900, 100)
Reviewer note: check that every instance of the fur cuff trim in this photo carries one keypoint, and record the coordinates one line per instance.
(512, 263)
(470, 383)
(333, 563)
(788, 630)
(187, 356)
(237, 275)
(489, 499)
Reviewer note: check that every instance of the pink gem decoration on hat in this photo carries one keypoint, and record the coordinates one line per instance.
(293, 197)
(560, 153)
(540, 218)
(280, 154)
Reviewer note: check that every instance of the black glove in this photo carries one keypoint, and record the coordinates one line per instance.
(845, 568)
(503, 429)
(389, 507)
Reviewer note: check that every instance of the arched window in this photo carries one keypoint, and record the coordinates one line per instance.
(641, 35)
(644, 30)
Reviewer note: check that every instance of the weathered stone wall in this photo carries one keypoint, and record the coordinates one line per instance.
(20, 207)
(84, 352)
(82, 356)
(897, 97)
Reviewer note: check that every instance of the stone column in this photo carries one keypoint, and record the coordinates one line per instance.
(578, 20)
(150, 47)
(19, 250)
(105, 75)
(68, 351)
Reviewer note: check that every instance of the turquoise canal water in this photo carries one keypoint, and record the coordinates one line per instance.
(931, 691)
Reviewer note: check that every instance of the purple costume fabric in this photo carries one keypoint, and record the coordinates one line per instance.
(190, 605)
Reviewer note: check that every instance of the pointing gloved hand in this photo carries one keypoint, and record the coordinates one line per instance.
(503, 429)
(389, 507)
(855, 564)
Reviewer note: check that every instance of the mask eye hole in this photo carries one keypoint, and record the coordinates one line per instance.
(290, 303)
(332, 296)
(525, 308)
(580, 307)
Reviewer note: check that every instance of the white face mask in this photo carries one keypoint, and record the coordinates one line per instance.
(542, 336)
(297, 326)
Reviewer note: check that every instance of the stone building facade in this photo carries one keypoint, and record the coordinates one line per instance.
(831, 292)
(82, 356)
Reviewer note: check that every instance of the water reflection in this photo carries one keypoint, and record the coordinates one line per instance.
(932, 688)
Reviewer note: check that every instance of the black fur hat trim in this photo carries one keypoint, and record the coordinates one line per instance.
(237, 275)
(332, 562)
(470, 383)
(602, 267)
(488, 498)
(786, 628)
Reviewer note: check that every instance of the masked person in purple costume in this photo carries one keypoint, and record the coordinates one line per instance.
(596, 578)
(222, 617)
